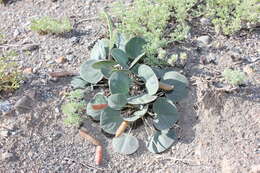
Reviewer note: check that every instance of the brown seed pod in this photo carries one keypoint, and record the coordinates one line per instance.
(88, 137)
(121, 128)
(165, 87)
(99, 155)
(99, 106)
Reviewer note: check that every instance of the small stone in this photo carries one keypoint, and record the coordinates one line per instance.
(75, 40)
(23, 105)
(71, 57)
(204, 21)
(248, 69)
(255, 169)
(6, 156)
(4, 133)
(203, 41)
(5, 106)
(28, 70)
(61, 60)
(30, 47)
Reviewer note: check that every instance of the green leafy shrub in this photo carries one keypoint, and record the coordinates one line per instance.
(234, 77)
(150, 19)
(10, 77)
(131, 91)
(47, 25)
(228, 15)
(74, 108)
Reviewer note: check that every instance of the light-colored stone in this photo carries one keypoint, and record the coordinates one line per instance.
(203, 40)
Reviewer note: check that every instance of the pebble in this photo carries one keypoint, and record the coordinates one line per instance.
(204, 21)
(61, 60)
(4, 133)
(6, 156)
(74, 40)
(203, 41)
(24, 104)
(5, 106)
(28, 71)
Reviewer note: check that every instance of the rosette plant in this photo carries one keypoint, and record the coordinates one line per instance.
(132, 91)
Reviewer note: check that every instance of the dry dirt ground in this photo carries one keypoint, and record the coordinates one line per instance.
(218, 131)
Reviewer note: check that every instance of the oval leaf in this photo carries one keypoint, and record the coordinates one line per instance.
(125, 144)
(110, 120)
(120, 57)
(151, 81)
(180, 84)
(104, 64)
(166, 112)
(89, 74)
(78, 82)
(141, 99)
(137, 114)
(117, 101)
(134, 47)
(100, 50)
(106, 72)
(95, 114)
(119, 82)
(161, 141)
(99, 102)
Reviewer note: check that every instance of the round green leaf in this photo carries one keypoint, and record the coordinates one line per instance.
(110, 120)
(134, 47)
(117, 101)
(95, 114)
(106, 72)
(119, 82)
(125, 144)
(180, 84)
(120, 56)
(89, 74)
(104, 64)
(161, 141)
(151, 80)
(137, 114)
(78, 82)
(166, 113)
(99, 98)
(141, 99)
(100, 50)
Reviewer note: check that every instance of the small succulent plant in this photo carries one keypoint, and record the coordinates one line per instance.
(133, 91)
(46, 25)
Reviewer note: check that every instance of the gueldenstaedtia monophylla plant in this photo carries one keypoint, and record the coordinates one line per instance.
(131, 91)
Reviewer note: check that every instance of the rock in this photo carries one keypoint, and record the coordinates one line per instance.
(61, 60)
(71, 57)
(203, 41)
(205, 21)
(75, 40)
(6, 156)
(255, 169)
(28, 70)
(30, 47)
(24, 105)
(5, 107)
(4, 133)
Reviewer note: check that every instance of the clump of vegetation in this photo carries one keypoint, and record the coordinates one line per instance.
(74, 108)
(10, 77)
(158, 21)
(131, 91)
(234, 77)
(46, 25)
(228, 15)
